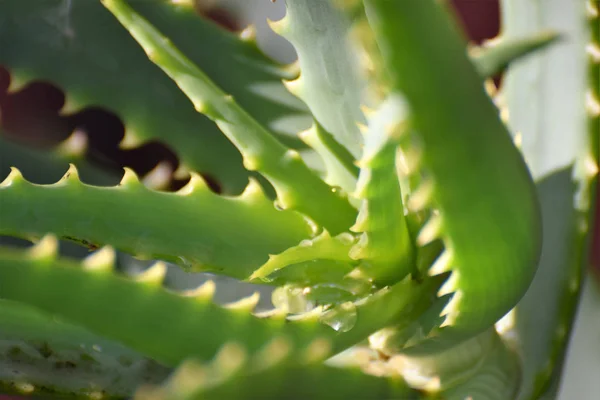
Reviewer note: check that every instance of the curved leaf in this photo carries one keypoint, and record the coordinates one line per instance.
(194, 227)
(385, 244)
(170, 327)
(329, 81)
(296, 185)
(68, 42)
(488, 211)
(274, 374)
(42, 354)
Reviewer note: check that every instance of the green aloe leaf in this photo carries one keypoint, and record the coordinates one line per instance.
(46, 167)
(166, 326)
(330, 82)
(340, 168)
(385, 246)
(481, 367)
(496, 55)
(273, 374)
(193, 227)
(67, 42)
(41, 354)
(491, 227)
(296, 185)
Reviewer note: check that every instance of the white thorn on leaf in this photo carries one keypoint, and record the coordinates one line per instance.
(196, 183)
(159, 177)
(13, 176)
(101, 260)
(154, 275)
(204, 292)
(245, 304)
(592, 104)
(46, 247)
(129, 178)
(442, 264)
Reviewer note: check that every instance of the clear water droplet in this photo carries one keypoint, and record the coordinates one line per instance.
(292, 299)
(336, 189)
(341, 318)
(306, 243)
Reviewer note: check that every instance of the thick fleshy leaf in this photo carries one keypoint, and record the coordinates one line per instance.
(297, 187)
(274, 374)
(385, 246)
(79, 47)
(170, 327)
(194, 227)
(40, 354)
(474, 176)
(330, 82)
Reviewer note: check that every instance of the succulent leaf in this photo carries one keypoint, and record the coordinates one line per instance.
(481, 367)
(340, 168)
(273, 374)
(67, 42)
(385, 245)
(44, 167)
(329, 82)
(42, 354)
(296, 185)
(497, 54)
(193, 227)
(492, 269)
(165, 325)
(323, 247)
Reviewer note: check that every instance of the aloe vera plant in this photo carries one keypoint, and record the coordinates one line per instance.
(398, 204)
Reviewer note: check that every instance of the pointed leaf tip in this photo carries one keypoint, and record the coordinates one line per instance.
(71, 176)
(130, 178)
(253, 192)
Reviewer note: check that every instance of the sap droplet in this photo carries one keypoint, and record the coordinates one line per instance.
(341, 318)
